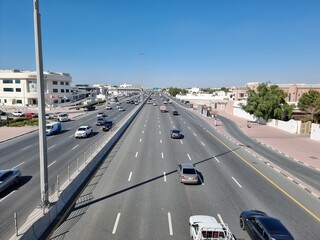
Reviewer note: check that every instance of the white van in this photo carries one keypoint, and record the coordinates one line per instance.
(63, 117)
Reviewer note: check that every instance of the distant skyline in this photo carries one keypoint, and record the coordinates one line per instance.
(185, 43)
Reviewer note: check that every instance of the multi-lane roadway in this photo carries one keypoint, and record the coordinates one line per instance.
(63, 150)
(136, 193)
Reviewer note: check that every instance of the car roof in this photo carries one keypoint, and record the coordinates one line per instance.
(175, 129)
(273, 226)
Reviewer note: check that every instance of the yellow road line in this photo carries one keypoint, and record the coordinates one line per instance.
(268, 179)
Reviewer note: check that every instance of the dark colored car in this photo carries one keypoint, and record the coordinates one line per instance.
(107, 125)
(174, 112)
(261, 226)
(176, 134)
(8, 178)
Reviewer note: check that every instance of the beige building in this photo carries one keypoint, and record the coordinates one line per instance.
(19, 88)
(294, 91)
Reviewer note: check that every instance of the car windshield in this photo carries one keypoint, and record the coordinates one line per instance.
(175, 131)
(189, 171)
(81, 129)
(48, 127)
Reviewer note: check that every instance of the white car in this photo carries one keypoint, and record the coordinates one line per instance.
(101, 114)
(121, 109)
(108, 107)
(83, 132)
(18, 114)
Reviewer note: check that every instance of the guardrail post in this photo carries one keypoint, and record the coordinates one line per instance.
(16, 223)
(84, 157)
(90, 151)
(69, 172)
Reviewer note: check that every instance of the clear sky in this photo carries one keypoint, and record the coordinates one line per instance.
(185, 43)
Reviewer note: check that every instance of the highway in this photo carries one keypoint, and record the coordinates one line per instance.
(136, 193)
(63, 150)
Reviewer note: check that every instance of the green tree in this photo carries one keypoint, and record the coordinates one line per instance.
(173, 91)
(310, 102)
(267, 102)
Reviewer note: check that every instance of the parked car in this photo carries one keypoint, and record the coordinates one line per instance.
(83, 132)
(18, 114)
(188, 173)
(63, 117)
(8, 178)
(176, 134)
(89, 108)
(261, 226)
(31, 115)
(107, 125)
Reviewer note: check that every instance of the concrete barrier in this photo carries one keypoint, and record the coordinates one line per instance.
(39, 228)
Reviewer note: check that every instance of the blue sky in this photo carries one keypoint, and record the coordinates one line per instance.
(185, 43)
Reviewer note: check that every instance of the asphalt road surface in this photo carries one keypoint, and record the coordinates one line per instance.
(136, 193)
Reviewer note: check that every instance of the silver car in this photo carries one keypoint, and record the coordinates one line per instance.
(188, 173)
(8, 178)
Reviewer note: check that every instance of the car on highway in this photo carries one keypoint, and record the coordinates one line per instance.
(121, 109)
(175, 112)
(154, 104)
(108, 107)
(18, 114)
(8, 178)
(100, 121)
(101, 114)
(83, 132)
(261, 226)
(188, 173)
(176, 134)
(107, 125)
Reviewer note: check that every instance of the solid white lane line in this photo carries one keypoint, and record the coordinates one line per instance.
(7, 196)
(159, 125)
(52, 146)
(236, 182)
(136, 155)
(116, 224)
(162, 154)
(216, 159)
(140, 139)
(130, 175)
(52, 164)
(188, 127)
(159, 132)
(164, 176)
(202, 143)
(75, 147)
(160, 140)
(181, 141)
(142, 131)
(19, 165)
(194, 134)
(189, 156)
(170, 224)
(26, 147)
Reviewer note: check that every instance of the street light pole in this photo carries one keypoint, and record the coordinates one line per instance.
(41, 106)
(141, 76)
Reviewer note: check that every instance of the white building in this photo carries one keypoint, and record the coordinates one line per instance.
(19, 87)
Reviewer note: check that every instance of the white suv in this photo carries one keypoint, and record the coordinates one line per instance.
(83, 131)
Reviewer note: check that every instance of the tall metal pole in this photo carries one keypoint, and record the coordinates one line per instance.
(41, 106)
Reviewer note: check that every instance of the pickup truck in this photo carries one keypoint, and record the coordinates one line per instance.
(204, 227)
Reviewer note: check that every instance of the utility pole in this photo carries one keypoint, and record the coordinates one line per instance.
(141, 75)
(41, 106)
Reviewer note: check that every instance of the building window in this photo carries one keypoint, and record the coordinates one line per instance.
(67, 83)
(8, 89)
(55, 90)
(61, 83)
(67, 90)
(19, 101)
(7, 81)
(241, 95)
(55, 101)
(5, 100)
(54, 82)
(62, 90)
(18, 89)
(18, 81)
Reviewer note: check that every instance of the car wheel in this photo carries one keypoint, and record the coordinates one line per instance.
(242, 224)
